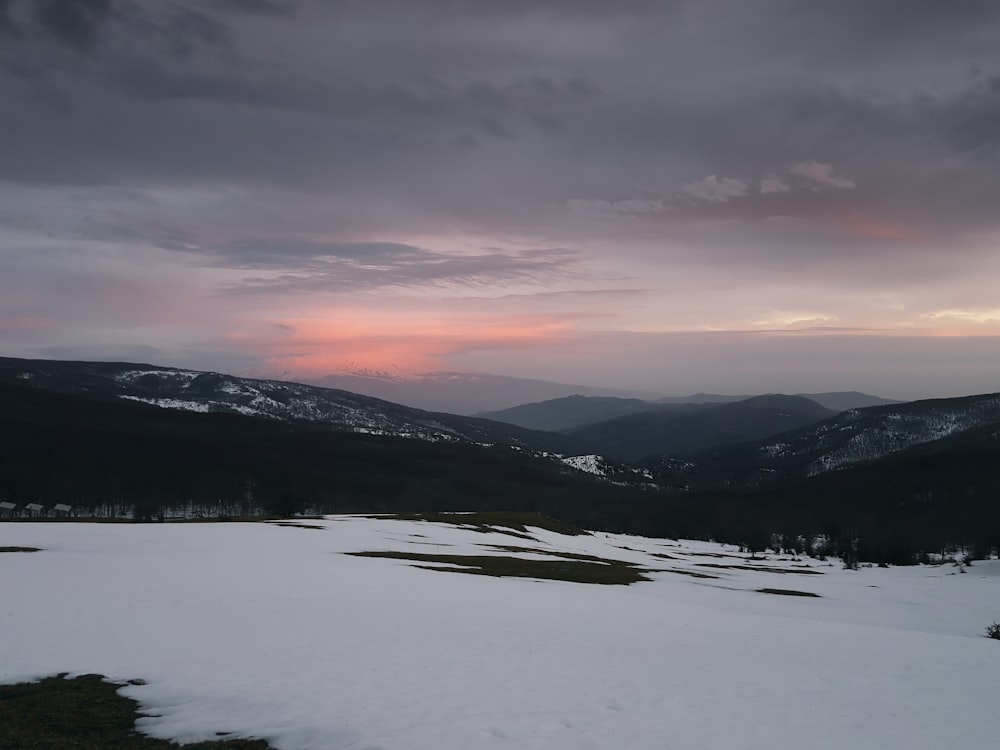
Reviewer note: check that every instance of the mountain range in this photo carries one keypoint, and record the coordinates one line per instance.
(459, 392)
(206, 392)
(901, 477)
(854, 437)
(577, 410)
(681, 432)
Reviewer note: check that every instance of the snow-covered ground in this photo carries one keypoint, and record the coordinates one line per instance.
(270, 631)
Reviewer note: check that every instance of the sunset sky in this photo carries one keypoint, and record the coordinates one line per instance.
(671, 196)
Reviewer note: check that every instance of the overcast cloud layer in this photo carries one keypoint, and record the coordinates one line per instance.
(766, 195)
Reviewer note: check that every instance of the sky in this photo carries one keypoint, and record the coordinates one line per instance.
(666, 196)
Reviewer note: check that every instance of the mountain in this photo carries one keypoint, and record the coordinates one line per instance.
(703, 398)
(853, 437)
(576, 411)
(942, 496)
(206, 392)
(459, 392)
(912, 478)
(573, 411)
(119, 455)
(836, 400)
(844, 400)
(635, 436)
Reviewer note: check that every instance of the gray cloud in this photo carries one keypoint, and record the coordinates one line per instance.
(106, 352)
(591, 112)
(6, 22)
(905, 367)
(281, 253)
(264, 7)
(302, 266)
(76, 23)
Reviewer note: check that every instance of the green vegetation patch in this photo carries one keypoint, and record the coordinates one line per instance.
(788, 592)
(20, 549)
(691, 573)
(83, 713)
(297, 525)
(793, 571)
(494, 521)
(553, 553)
(243, 519)
(708, 554)
(577, 571)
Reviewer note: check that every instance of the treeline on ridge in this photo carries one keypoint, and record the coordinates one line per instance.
(66, 449)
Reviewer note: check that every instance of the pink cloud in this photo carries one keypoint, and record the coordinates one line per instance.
(866, 226)
(397, 343)
(23, 323)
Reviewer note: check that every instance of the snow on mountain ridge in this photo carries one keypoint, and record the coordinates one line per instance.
(599, 466)
(861, 435)
(274, 400)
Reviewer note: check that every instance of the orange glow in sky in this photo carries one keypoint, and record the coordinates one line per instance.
(866, 226)
(358, 341)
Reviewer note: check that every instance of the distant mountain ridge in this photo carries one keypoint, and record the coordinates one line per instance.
(459, 392)
(835, 400)
(851, 438)
(679, 433)
(882, 483)
(571, 411)
(577, 410)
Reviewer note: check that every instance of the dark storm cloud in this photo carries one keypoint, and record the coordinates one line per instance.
(79, 43)
(76, 22)
(6, 23)
(264, 7)
(492, 113)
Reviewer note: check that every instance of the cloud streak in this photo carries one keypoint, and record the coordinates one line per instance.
(338, 267)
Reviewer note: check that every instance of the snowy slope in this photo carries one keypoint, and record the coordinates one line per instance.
(190, 390)
(272, 631)
(867, 436)
(853, 437)
(614, 471)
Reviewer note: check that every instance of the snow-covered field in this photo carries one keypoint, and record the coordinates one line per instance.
(270, 631)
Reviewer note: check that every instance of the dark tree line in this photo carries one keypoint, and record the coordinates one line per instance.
(161, 463)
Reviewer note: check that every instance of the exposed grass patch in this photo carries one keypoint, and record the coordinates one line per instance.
(578, 571)
(691, 573)
(709, 554)
(297, 525)
(20, 549)
(553, 553)
(243, 519)
(993, 631)
(788, 592)
(83, 713)
(758, 568)
(493, 521)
